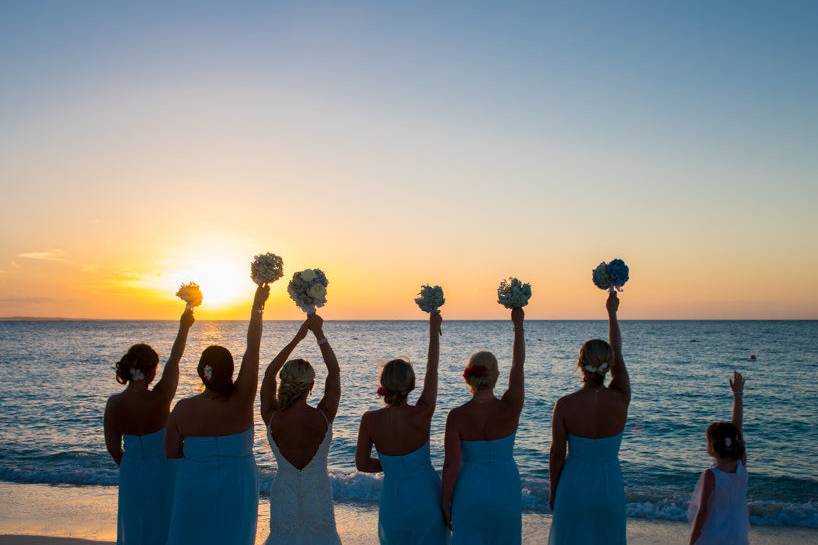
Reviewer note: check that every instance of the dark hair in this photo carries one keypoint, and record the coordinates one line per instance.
(139, 356)
(220, 361)
(593, 354)
(726, 440)
(397, 380)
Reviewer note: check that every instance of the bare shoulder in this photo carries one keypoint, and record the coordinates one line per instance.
(569, 400)
(182, 407)
(114, 402)
(456, 415)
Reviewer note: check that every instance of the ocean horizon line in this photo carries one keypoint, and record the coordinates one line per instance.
(449, 320)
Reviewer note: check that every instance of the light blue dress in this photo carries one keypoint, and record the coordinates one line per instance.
(590, 502)
(216, 497)
(145, 490)
(487, 503)
(410, 501)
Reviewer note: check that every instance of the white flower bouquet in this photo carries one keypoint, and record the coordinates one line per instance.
(308, 289)
(266, 268)
(430, 298)
(513, 294)
(191, 294)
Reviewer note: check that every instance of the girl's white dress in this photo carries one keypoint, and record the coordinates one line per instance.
(728, 521)
(301, 511)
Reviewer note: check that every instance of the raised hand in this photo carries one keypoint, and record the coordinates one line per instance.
(613, 302)
(187, 319)
(737, 384)
(262, 293)
(517, 316)
(315, 324)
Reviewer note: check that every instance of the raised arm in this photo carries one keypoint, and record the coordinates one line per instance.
(269, 386)
(332, 387)
(113, 437)
(247, 381)
(620, 380)
(556, 459)
(516, 380)
(451, 466)
(363, 452)
(737, 386)
(428, 398)
(166, 387)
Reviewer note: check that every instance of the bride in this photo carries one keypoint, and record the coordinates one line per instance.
(301, 511)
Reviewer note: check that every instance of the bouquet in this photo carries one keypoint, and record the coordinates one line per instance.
(430, 298)
(266, 268)
(308, 289)
(191, 294)
(611, 276)
(513, 294)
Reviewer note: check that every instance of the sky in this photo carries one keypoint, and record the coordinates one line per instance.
(396, 144)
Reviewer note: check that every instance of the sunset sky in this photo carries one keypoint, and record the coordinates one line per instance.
(394, 144)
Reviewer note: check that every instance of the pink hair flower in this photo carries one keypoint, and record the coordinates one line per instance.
(382, 391)
(474, 372)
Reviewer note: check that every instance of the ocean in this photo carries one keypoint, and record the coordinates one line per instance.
(55, 377)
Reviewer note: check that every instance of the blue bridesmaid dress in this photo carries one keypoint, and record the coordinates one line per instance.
(487, 503)
(410, 501)
(145, 490)
(590, 502)
(216, 497)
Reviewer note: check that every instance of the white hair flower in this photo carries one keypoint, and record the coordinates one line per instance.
(208, 372)
(728, 442)
(601, 370)
(136, 375)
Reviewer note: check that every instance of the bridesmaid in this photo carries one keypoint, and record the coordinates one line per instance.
(301, 510)
(138, 415)
(481, 485)
(587, 492)
(410, 498)
(216, 498)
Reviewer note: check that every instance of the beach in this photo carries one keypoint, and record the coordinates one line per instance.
(60, 515)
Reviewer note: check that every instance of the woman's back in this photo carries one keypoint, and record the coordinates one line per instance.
(486, 420)
(399, 430)
(139, 412)
(594, 412)
(213, 414)
(298, 432)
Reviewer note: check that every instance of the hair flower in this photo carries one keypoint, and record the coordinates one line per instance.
(728, 442)
(208, 372)
(137, 375)
(474, 371)
(382, 391)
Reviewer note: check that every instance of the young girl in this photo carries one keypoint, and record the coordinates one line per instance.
(719, 507)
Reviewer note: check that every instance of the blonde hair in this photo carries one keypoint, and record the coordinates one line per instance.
(297, 378)
(481, 371)
(595, 360)
(397, 380)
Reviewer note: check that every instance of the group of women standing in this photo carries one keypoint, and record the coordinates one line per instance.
(188, 476)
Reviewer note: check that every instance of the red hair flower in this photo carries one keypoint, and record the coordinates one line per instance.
(476, 371)
(382, 391)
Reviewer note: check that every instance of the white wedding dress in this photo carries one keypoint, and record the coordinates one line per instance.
(301, 511)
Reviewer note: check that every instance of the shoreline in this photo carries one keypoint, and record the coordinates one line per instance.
(39, 514)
